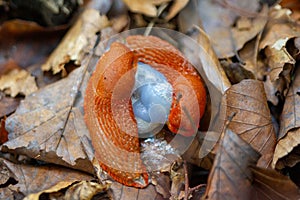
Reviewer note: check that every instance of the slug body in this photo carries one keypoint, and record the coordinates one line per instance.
(112, 110)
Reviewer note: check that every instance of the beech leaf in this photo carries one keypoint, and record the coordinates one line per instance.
(230, 177)
(47, 127)
(32, 179)
(289, 133)
(252, 119)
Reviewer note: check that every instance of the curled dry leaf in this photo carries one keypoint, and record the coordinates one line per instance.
(146, 7)
(18, 81)
(32, 179)
(247, 103)
(230, 177)
(289, 134)
(77, 42)
(47, 127)
(85, 190)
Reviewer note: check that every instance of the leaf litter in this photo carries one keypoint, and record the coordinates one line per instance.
(261, 43)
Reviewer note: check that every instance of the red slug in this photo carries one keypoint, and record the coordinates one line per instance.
(109, 114)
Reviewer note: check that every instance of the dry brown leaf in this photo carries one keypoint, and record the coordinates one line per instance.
(219, 21)
(252, 120)
(77, 42)
(211, 66)
(32, 179)
(230, 177)
(270, 184)
(175, 8)
(49, 127)
(289, 133)
(146, 7)
(277, 59)
(16, 82)
(279, 29)
(280, 65)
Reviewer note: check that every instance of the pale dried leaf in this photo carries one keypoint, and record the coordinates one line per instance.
(32, 179)
(289, 133)
(85, 190)
(77, 42)
(18, 81)
(46, 126)
(247, 103)
(230, 177)
(146, 7)
(175, 8)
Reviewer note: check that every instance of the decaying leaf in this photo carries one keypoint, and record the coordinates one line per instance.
(230, 177)
(32, 179)
(16, 82)
(47, 127)
(270, 184)
(77, 42)
(146, 7)
(247, 103)
(289, 133)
